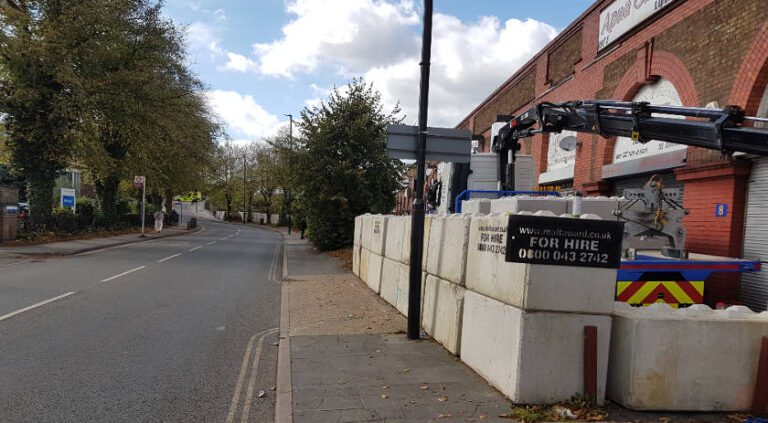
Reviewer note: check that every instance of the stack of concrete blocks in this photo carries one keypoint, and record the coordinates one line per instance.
(692, 358)
(370, 255)
(444, 287)
(523, 324)
(520, 203)
(476, 206)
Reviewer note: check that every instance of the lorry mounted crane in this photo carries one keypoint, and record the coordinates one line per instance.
(651, 213)
(727, 130)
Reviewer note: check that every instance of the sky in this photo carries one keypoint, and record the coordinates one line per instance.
(263, 59)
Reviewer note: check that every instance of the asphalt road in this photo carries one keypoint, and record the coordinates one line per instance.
(172, 330)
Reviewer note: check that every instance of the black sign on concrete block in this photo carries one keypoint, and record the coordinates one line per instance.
(564, 242)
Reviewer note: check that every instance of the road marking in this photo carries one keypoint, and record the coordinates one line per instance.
(273, 268)
(123, 274)
(41, 303)
(196, 248)
(15, 263)
(168, 258)
(223, 238)
(212, 242)
(109, 248)
(243, 373)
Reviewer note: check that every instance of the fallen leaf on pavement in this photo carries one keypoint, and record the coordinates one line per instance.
(665, 419)
(384, 396)
(273, 388)
(445, 416)
(406, 370)
(481, 417)
(385, 387)
(261, 394)
(443, 399)
(442, 387)
(424, 387)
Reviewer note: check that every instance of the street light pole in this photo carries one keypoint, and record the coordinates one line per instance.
(245, 169)
(417, 218)
(287, 192)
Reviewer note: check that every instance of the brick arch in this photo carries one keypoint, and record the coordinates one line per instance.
(753, 74)
(663, 65)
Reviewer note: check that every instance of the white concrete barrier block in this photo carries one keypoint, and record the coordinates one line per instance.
(476, 206)
(601, 206)
(693, 358)
(530, 286)
(373, 280)
(557, 205)
(356, 260)
(395, 237)
(442, 312)
(378, 233)
(366, 231)
(357, 237)
(447, 248)
(365, 257)
(391, 275)
(531, 357)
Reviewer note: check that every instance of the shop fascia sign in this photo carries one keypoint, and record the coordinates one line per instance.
(623, 15)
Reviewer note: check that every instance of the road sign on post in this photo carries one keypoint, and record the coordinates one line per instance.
(141, 182)
(68, 198)
(443, 144)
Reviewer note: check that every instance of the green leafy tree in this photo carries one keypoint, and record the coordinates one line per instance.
(35, 97)
(343, 166)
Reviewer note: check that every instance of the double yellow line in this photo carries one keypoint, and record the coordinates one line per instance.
(254, 366)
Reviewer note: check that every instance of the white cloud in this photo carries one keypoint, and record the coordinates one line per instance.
(341, 34)
(220, 14)
(240, 63)
(469, 60)
(244, 117)
(204, 38)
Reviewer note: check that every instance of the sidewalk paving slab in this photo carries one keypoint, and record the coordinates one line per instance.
(350, 360)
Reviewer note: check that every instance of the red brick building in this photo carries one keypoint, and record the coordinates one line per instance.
(682, 52)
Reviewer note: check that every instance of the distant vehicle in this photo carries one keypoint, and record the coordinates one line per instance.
(190, 196)
(23, 215)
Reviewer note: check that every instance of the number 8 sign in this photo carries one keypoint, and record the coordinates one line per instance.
(721, 210)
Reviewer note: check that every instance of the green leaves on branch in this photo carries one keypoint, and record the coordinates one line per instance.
(343, 169)
(102, 86)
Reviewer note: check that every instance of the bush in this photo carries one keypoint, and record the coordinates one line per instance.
(124, 206)
(64, 220)
(85, 211)
(330, 233)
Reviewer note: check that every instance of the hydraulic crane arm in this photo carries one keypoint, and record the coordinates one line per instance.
(726, 130)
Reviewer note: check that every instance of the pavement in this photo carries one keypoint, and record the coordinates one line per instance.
(344, 356)
(78, 246)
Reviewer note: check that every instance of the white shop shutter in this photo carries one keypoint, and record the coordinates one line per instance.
(754, 286)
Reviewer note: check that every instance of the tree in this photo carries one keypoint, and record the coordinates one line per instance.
(343, 166)
(102, 86)
(224, 176)
(35, 98)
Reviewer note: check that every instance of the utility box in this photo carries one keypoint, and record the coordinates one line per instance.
(9, 214)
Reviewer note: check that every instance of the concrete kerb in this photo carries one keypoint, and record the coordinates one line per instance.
(104, 247)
